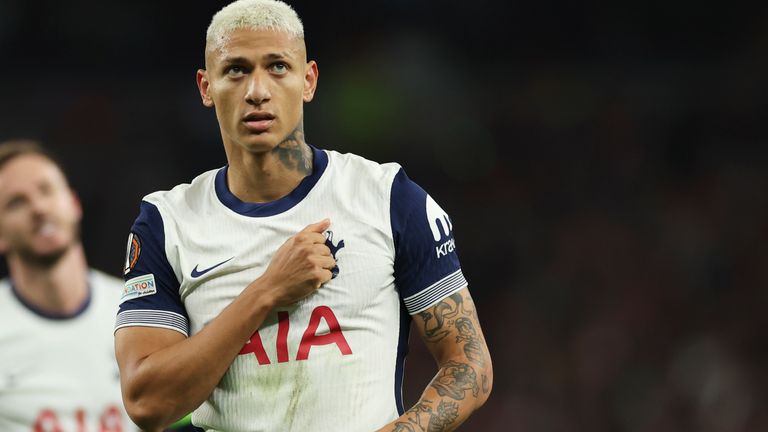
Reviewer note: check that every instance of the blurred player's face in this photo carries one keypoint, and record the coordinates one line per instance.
(39, 213)
(258, 81)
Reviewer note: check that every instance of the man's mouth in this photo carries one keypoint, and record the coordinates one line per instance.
(258, 122)
(46, 229)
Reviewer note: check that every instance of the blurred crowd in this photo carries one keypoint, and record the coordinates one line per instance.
(604, 167)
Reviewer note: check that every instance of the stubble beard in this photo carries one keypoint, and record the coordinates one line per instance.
(49, 259)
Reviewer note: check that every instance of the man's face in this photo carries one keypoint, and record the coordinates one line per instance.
(258, 82)
(39, 213)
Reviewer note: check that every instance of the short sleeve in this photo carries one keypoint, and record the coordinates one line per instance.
(151, 293)
(427, 267)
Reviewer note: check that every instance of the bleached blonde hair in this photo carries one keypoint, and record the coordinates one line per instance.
(271, 15)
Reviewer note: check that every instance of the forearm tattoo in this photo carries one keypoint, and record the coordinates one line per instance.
(294, 153)
(447, 413)
(455, 379)
(421, 418)
(454, 317)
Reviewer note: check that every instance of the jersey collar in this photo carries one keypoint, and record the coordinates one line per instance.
(319, 163)
(48, 315)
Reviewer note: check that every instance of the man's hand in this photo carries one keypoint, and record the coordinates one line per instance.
(165, 375)
(301, 265)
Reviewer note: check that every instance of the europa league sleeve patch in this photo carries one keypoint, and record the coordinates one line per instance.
(139, 287)
(132, 252)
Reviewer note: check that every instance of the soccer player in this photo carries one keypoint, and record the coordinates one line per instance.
(57, 369)
(276, 293)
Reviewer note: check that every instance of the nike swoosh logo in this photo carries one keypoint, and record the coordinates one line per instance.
(195, 273)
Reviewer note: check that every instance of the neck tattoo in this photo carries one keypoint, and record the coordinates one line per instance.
(294, 153)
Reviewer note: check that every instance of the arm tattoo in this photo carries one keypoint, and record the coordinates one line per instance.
(472, 348)
(424, 419)
(447, 413)
(405, 427)
(443, 315)
(452, 317)
(454, 379)
(421, 413)
(294, 153)
(443, 311)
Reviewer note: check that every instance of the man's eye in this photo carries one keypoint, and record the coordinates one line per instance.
(235, 70)
(279, 68)
(14, 203)
(46, 189)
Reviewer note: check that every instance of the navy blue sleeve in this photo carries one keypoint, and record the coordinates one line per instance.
(427, 267)
(151, 294)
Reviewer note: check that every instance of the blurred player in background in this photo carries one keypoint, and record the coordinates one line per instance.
(57, 367)
(276, 293)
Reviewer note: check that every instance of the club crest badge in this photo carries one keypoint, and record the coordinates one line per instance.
(335, 248)
(132, 252)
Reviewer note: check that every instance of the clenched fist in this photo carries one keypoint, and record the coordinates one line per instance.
(300, 266)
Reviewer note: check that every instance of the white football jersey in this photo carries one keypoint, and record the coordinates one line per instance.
(59, 374)
(333, 361)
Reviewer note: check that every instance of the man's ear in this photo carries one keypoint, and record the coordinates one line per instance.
(204, 86)
(78, 205)
(310, 81)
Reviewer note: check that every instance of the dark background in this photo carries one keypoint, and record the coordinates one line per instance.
(604, 166)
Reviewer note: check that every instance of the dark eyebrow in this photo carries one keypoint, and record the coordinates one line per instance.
(278, 56)
(235, 60)
(243, 60)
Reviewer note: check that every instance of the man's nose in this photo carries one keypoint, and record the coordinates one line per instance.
(258, 91)
(39, 205)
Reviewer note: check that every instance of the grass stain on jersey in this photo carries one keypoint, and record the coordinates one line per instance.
(299, 383)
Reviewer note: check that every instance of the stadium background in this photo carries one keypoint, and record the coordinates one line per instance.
(604, 166)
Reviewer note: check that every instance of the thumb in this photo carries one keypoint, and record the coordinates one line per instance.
(318, 227)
